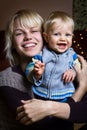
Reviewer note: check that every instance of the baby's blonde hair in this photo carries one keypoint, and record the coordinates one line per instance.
(56, 17)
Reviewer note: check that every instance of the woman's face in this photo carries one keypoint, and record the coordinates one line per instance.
(27, 41)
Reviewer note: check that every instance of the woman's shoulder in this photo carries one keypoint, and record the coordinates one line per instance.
(8, 73)
(13, 78)
(5, 74)
(5, 71)
(7, 77)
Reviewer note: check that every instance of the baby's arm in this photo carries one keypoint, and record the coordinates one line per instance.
(34, 69)
(69, 75)
(38, 69)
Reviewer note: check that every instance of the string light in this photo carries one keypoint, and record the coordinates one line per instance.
(80, 42)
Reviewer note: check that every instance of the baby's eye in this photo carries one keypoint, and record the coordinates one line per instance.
(68, 34)
(56, 34)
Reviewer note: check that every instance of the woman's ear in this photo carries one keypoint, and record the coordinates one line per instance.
(45, 36)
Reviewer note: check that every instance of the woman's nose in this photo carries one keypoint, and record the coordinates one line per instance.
(28, 36)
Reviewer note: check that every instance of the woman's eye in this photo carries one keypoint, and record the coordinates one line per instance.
(19, 33)
(34, 31)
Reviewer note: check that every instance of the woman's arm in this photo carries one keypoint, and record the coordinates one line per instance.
(35, 110)
(78, 111)
(82, 80)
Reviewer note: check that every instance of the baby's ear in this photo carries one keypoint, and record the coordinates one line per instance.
(45, 36)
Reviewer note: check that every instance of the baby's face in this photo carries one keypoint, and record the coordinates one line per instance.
(59, 37)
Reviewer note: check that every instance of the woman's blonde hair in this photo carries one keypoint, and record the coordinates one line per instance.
(56, 17)
(27, 18)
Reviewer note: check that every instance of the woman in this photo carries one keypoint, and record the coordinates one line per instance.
(23, 41)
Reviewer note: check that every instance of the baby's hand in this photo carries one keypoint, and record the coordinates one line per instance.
(38, 69)
(69, 75)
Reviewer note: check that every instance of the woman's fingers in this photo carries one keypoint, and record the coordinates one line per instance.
(83, 64)
(20, 115)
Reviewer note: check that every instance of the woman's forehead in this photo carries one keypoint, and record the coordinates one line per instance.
(25, 23)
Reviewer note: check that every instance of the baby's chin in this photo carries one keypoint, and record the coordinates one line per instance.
(61, 50)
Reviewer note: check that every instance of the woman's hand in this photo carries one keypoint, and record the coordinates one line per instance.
(82, 79)
(82, 73)
(35, 110)
(32, 111)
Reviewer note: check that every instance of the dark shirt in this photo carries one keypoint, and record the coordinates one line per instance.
(12, 96)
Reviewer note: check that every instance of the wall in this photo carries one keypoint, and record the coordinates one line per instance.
(8, 7)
